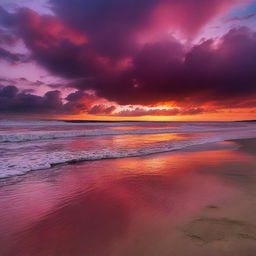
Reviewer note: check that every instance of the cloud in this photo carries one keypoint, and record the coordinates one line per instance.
(242, 18)
(101, 110)
(139, 111)
(113, 26)
(7, 38)
(8, 92)
(92, 104)
(6, 19)
(123, 52)
(13, 58)
(165, 71)
(89, 37)
(24, 84)
(13, 101)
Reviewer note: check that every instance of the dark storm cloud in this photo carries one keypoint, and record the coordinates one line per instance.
(89, 102)
(77, 96)
(165, 72)
(14, 101)
(112, 25)
(109, 24)
(8, 92)
(60, 49)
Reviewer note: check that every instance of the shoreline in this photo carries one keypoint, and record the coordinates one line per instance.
(188, 148)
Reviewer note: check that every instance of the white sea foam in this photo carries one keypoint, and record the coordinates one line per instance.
(29, 145)
(28, 159)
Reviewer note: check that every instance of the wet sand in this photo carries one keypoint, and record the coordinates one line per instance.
(195, 202)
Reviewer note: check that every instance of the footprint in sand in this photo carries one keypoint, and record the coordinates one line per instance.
(207, 230)
(211, 207)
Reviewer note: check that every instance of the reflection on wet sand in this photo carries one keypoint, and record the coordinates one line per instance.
(134, 206)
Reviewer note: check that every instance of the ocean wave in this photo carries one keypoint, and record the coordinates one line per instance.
(22, 164)
(33, 136)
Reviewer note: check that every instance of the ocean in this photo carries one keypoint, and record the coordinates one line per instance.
(30, 145)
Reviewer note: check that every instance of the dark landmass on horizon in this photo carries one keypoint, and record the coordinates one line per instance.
(248, 121)
(134, 121)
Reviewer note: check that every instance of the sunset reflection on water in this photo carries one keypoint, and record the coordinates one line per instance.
(141, 127)
(122, 142)
(112, 207)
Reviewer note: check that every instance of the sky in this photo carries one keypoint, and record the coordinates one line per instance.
(128, 59)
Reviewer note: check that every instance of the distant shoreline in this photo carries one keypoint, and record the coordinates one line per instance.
(122, 121)
(133, 121)
(247, 121)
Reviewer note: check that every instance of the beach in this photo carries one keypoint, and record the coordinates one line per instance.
(199, 200)
(127, 128)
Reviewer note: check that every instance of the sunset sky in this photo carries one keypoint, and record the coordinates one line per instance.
(128, 59)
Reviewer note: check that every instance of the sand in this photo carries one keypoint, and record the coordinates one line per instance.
(195, 202)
